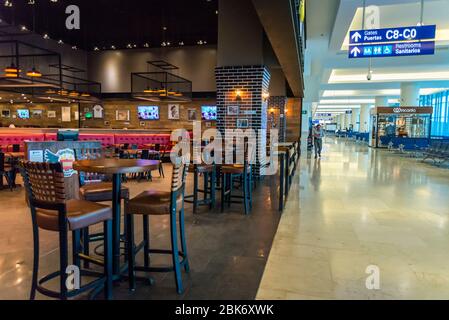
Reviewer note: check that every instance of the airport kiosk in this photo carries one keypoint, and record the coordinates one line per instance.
(400, 127)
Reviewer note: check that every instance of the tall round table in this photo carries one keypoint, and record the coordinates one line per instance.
(116, 167)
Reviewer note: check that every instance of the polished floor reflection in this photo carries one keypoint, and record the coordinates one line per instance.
(355, 209)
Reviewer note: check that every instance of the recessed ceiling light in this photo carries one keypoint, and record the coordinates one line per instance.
(46, 36)
(74, 47)
(8, 3)
(129, 46)
(60, 42)
(181, 43)
(146, 45)
(113, 47)
(24, 28)
(96, 49)
(164, 28)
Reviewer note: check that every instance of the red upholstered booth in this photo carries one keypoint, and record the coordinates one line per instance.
(143, 139)
(8, 139)
(106, 139)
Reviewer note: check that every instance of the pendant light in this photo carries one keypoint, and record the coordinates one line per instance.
(12, 71)
(34, 73)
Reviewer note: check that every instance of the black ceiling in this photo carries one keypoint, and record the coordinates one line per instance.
(107, 23)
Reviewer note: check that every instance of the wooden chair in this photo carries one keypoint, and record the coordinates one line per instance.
(155, 202)
(50, 210)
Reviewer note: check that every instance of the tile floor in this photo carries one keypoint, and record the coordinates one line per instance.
(228, 251)
(358, 207)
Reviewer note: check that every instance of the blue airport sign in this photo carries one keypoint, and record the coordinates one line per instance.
(392, 50)
(393, 34)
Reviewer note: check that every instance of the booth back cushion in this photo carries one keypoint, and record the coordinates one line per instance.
(142, 139)
(19, 138)
(105, 139)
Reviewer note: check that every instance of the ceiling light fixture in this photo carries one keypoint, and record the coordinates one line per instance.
(8, 4)
(34, 73)
(12, 71)
(23, 28)
(46, 36)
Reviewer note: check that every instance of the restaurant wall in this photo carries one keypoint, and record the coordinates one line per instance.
(109, 120)
(42, 121)
(113, 68)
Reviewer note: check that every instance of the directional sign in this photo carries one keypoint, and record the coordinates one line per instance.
(393, 34)
(392, 50)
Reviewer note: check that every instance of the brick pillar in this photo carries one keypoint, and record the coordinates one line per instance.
(251, 81)
(277, 104)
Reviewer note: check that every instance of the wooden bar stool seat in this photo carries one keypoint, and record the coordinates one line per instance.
(100, 191)
(152, 202)
(155, 202)
(80, 214)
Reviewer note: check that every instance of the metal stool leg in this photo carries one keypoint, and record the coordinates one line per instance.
(63, 261)
(107, 226)
(146, 240)
(86, 246)
(131, 256)
(183, 239)
(35, 260)
(175, 250)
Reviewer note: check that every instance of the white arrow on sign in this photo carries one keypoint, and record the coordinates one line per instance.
(356, 37)
(355, 51)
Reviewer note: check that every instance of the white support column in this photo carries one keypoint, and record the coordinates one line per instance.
(355, 120)
(381, 101)
(409, 94)
(348, 120)
(342, 121)
(364, 117)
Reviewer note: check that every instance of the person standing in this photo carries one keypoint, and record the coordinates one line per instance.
(318, 135)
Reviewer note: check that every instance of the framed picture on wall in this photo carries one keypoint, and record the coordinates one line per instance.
(191, 114)
(51, 114)
(233, 110)
(6, 113)
(36, 114)
(122, 115)
(242, 123)
(173, 111)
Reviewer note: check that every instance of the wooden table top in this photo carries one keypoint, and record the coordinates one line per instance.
(113, 166)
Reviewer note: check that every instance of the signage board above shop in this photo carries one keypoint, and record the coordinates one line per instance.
(392, 34)
(402, 110)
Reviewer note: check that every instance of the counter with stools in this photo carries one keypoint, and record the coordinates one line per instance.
(156, 202)
(51, 211)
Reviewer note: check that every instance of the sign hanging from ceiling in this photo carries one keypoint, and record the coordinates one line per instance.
(392, 42)
(392, 50)
(393, 34)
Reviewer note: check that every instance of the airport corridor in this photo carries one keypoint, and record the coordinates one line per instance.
(360, 210)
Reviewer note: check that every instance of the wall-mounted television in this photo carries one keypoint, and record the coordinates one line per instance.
(23, 113)
(209, 113)
(148, 112)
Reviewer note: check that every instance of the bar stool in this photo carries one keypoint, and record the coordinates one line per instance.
(155, 202)
(95, 188)
(209, 185)
(242, 172)
(45, 186)
(6, 171)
